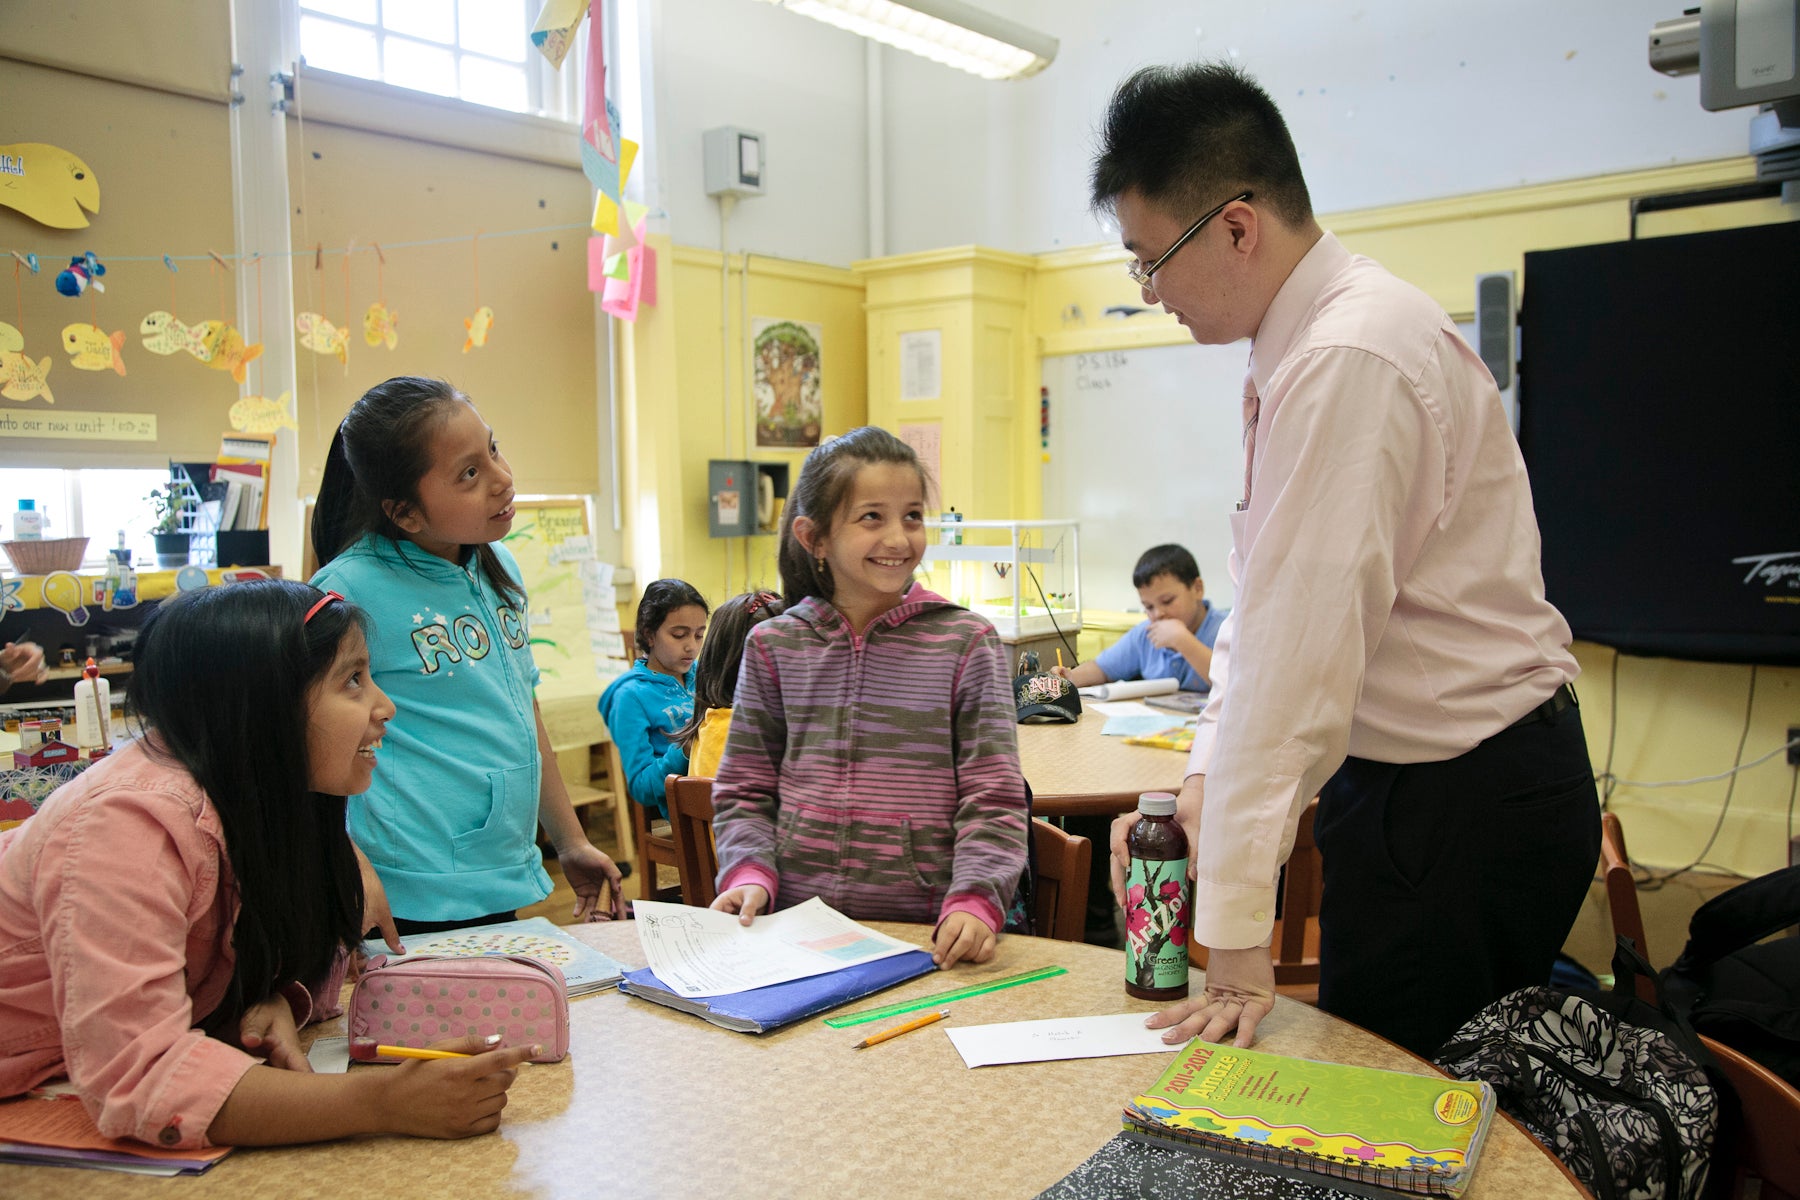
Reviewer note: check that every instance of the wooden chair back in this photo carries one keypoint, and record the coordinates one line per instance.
(1294, 945)
(1060, 887)
(1621, 894)
(1760, 1147)
(690, 824)
(649, 844)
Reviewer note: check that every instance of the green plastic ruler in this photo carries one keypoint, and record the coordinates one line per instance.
(906, 1006)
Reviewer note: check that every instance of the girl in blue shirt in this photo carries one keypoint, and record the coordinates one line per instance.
(414, 501)
(645, 708)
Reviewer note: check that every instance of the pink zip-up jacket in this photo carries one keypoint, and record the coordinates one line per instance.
(879, 772)
(116, 909)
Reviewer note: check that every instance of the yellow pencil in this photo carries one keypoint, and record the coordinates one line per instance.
(1059, 656)
(908, 1027)
(365, 1050)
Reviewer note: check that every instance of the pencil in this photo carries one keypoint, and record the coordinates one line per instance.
(1059, 656)
(897, 1030)
(362, 1051)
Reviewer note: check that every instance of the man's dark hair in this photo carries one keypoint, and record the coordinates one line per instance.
(1169, 559)
(1188, 137)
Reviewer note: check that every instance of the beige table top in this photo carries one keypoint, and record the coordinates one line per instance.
(1077, 769)
(656, 1103)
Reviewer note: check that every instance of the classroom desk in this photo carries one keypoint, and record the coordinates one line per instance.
(1076, 769)
(656, 1103)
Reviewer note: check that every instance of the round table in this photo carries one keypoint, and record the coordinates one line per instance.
(656, 1103)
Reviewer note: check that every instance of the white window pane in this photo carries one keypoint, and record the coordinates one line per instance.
(331, 46)
(350, 10)
(497, 84)
(433, 20)
(494, 27)
(418, 66)
(113, 501)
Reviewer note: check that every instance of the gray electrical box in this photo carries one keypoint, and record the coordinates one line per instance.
(734, 162)
(743, 497)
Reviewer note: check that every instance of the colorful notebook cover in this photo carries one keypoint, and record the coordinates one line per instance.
(584, 969)
(1180, 737)
(56, 1130)
(762, 1009)
(1418, 1134)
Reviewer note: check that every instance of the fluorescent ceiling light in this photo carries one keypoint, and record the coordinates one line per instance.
(946, 31)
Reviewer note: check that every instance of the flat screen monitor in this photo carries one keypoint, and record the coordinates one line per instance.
(1659, 416)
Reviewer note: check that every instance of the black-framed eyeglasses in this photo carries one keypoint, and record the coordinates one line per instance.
(1141, 275)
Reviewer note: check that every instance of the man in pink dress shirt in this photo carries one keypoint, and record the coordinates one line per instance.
(1391, 649)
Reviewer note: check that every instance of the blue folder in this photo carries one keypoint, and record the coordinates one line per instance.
(762, 1009)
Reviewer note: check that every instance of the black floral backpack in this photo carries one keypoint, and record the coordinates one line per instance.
(1618, 1089)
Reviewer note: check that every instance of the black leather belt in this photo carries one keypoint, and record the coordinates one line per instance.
(1563, 697)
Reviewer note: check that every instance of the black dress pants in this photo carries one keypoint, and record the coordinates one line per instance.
(1449, 884)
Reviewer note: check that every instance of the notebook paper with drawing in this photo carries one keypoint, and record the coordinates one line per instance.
(585, 969)
(1340, 1125)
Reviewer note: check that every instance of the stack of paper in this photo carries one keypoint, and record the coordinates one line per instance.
(781, 968)
(55, 1130)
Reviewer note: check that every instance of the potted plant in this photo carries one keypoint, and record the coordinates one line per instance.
(169, 503)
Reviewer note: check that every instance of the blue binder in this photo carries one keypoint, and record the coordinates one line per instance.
(762, 1009)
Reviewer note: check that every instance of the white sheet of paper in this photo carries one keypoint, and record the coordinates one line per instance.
(1117, 708)
(698, 952)
(329, 1055)
(1057, 1038)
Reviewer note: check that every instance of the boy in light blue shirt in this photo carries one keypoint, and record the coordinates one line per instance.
(1175, 639)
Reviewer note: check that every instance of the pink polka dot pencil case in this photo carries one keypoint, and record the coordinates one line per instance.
(419, 1000)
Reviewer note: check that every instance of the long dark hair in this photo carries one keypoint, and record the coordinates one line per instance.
(722, 653)
(661, 598)
(381, 449)
(825, 479)
(221, 687)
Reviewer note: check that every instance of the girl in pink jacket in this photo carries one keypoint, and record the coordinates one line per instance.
(169, 917)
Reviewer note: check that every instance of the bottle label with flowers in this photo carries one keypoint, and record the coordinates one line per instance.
(1156, 923)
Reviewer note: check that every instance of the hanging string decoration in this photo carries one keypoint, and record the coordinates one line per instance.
(20, 378)
(477, 326)
(380, 324)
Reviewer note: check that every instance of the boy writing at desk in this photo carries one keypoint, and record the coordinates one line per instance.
(1175, 638)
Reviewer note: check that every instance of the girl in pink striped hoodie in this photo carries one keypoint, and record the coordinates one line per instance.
(872, 759)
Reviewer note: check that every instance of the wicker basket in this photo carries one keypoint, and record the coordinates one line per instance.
(43, 557)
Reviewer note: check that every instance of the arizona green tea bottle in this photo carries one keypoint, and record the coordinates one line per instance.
(1156, 902)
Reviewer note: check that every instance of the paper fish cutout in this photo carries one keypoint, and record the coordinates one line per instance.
(555, 30)
(48, 184)
(229, 353)
(93, 349)
(259, 414)
(381, 325)
(322, 337)
(11, 340)
(478, 326)
(21, 379)
(163, 334)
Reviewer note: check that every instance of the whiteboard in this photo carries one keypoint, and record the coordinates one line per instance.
(1146, 447)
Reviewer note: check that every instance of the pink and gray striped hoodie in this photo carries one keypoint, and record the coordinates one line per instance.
(879, 772)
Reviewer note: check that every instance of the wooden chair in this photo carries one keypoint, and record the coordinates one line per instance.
(690, 824)
(1760, 1145)
(1295, 941)
(1060, 887)
(1621, 894)
(650, 843)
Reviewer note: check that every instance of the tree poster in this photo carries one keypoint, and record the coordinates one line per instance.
(789, 411)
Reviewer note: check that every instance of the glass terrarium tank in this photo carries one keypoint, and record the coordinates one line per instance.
(1024, 576)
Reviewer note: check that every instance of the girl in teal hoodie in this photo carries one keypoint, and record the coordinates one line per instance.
(645, 707)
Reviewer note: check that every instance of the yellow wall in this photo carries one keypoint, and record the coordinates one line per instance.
(700, 395)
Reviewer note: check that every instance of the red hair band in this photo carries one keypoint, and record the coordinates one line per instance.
(312, 612)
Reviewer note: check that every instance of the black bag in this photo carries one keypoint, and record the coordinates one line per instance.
(1734, 989)
(1614, 1087)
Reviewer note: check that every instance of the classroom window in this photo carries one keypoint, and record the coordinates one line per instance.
(97, 504)
(474, 50)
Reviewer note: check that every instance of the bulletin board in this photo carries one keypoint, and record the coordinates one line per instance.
(1146, 447)
(574, 622)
